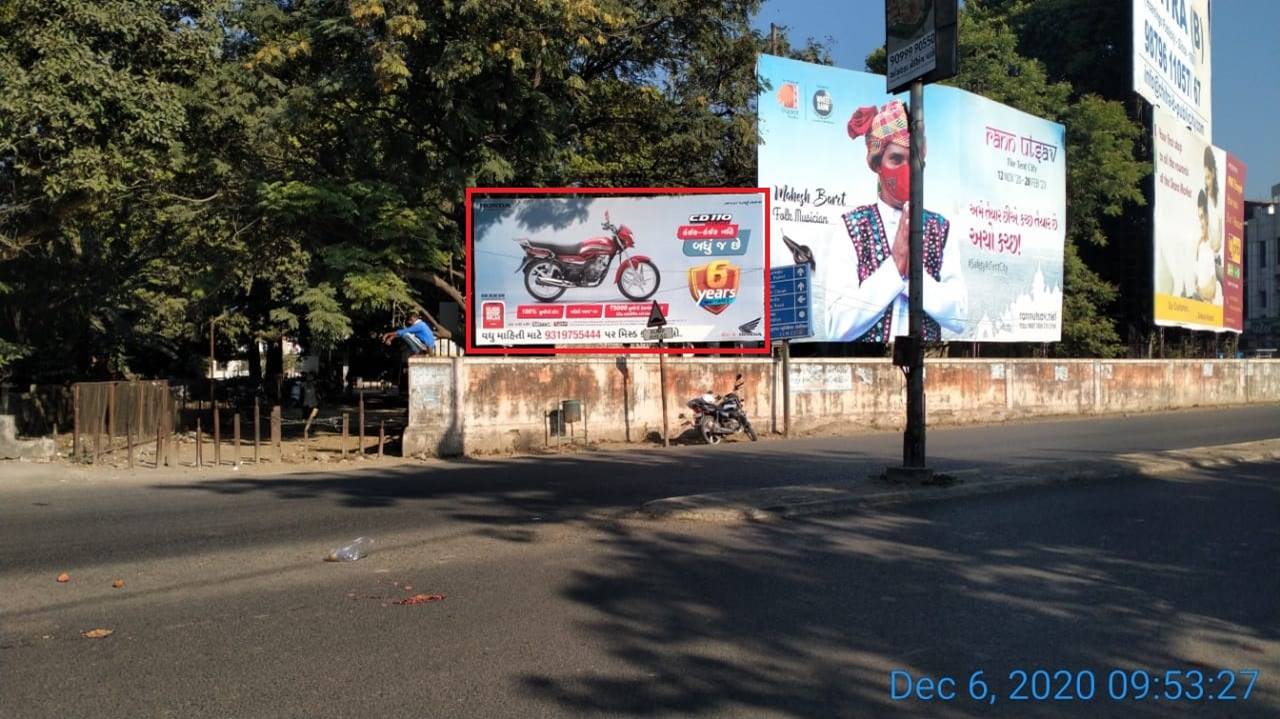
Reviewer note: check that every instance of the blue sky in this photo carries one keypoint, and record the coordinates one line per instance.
(1246, 67)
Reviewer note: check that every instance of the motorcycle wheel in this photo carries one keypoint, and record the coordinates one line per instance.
(549, 270)
(707, 428)
(746, 427)
(640, 275)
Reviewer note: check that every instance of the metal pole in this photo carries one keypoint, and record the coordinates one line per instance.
(199, 441)
(211, 360)
(913, 449)
(360, 432)
(235, 428)
(128, 430)
(346, 418)
(626, 407)
(662, 379)
(382, 436)
(786, 388)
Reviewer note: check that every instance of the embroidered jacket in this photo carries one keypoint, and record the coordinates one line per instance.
(866, 230)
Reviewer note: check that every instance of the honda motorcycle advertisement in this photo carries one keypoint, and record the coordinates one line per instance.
(586, 270)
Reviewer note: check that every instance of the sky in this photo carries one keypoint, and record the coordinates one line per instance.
(1246, 67)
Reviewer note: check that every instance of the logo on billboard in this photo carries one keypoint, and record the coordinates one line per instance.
(789, 96)
(822, 103)
(750, 328)
(714, 286)
(492, 315)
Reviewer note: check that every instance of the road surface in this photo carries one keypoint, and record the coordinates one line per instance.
(227, 609)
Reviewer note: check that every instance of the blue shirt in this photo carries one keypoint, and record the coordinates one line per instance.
(420, 330)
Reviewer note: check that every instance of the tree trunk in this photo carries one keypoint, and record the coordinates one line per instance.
(275, 370)
(255, 363)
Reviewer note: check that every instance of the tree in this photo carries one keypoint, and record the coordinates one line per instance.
(94, 111)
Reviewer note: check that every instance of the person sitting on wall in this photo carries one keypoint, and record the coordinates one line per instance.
(415, 335)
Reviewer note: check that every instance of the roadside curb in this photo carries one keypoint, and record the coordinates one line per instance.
(773, 504)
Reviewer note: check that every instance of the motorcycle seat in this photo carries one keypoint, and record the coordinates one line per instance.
(558, 249)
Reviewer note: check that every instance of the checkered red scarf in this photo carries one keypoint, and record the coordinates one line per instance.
(888, 125)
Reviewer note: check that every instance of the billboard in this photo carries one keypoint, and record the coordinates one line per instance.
(995, 202)
(1198, 230)
(582, 268)
(1171, 59)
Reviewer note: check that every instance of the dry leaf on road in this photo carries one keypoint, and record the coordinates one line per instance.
(118, 584)
(64, 578)
(421, 599)
(97, 633)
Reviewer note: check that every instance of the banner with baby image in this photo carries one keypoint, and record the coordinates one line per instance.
(833, 152)
(1198, 230)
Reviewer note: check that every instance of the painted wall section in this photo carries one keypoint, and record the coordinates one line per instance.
(478, 405)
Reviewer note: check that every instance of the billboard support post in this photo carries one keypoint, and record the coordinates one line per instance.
(913, 442)
(662, 380)
(786, 388)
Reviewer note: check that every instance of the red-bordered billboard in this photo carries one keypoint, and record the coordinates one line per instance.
(572, 270)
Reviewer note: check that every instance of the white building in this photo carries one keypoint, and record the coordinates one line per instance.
(1262, 274)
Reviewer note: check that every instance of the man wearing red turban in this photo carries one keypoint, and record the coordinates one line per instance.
(870, 303)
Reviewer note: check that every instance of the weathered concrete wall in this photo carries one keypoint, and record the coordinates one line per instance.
(491, 404)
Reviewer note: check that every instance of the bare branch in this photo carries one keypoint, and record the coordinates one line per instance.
(439, 283)
(193, 200)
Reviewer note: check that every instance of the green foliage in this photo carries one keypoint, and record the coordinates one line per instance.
(305, 162)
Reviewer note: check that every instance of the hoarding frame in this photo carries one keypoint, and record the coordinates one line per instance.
(473, 192)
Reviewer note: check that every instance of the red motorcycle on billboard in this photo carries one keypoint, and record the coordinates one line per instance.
(550, 268)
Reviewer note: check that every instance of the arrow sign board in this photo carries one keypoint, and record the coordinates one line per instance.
(654, 333)
(790, 297)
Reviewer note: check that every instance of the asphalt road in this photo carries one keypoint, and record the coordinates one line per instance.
(227, 609)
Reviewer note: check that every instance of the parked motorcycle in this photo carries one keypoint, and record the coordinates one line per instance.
(550, 269)
(717, 417)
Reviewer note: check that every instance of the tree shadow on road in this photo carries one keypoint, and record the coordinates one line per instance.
(807, 619)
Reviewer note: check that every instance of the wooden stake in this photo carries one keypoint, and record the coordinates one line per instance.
(199, 441)
(275, 432)
(257, 432)
(128, 430)
(111, 414)
(97, 439)
(217, 436)
(345, 419)
(160, 435)
(75, 421)
(382, 436)
(306, 431)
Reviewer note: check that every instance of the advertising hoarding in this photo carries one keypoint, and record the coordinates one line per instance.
(578, 267)
(1171, 60)
(995, 201)
(1198, 230)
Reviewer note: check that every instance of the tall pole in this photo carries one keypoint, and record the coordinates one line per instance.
(662, 379)
(786, 388)
(211, 361)
(913, 445)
